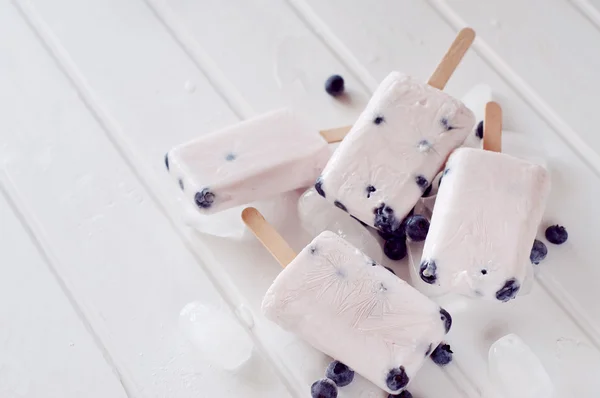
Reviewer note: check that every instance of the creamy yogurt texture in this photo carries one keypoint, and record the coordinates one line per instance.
(354, 310)
(485, 219)
(394, 151)
(256, 159)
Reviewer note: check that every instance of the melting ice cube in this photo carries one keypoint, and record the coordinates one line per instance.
(216, 334)
(516, 371)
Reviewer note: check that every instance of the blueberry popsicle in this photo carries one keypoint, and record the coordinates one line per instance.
(393, 152)
(349, 307)
(256, 159)
(484, 223)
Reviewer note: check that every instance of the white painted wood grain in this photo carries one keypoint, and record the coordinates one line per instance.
(45, 348)
(552, 46)
(400, 34)
(113, 247)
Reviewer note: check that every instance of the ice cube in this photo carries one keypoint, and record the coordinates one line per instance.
(216, 334)
(318, 215)
(516, 371)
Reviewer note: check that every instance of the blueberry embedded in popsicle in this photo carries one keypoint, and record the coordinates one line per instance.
(340, 205)
(313, 249)
(446, 123)
(370, 189)
(334, 85)
(557, 234)
(403, 394)
(424, 146)
(230, 157)
(319, 186)
(397, 379)
(428, 271)
(323, 388)
(181, 184)
(204, 199)
(538, 252)
(422, 182)
(385, 220)
(442, 355)
(378, 119)
(167, 161)
(339, 373)
(479, 130)
(417, 228)
(509, 290)
(446, 318)
(395, 248)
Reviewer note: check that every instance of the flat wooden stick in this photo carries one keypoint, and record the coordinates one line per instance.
(452, 58)
(268, 236)
(492, 127)
(438, 79)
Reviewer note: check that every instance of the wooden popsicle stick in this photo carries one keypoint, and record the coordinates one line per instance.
(268, 236)
(438, 79)
(492, 127)
(452, 58)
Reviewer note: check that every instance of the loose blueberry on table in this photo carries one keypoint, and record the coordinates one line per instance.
(557, 234)
(339, 373)
(442, 355)
(395, 248)
(417, 228)
(335, 85)
(324, 388)
(538, 252)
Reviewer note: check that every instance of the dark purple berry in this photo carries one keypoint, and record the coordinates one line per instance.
(403, 394)
(204, 199)
(378, 119)
(323, 388)
(370, 189)
(397, 379)
(538, 252)
(422, 182)
(319, 186)
(395, 249)
(557, 234)
(385, 220)
(417, 228)
(334, 85)
(442, 355)
(446, 318)
(428, 271)
(509, 290)
(479, 130)
(339, 373)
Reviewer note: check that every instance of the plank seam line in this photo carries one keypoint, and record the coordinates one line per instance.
(219, 279)
(314, 23)
(37, 238)
(209, 68)
(555, 122)
(320, 29)
(588, 10)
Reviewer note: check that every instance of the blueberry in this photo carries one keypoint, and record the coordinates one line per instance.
(417, 228)
(395, 249)
(339, 373)
(386, 235)
(442, 355)
(181, 184)
(479, 130)
(422, 182)
(557, 234)
(167, 160)
(397, 379)
(538, 252)
(360, 221)
(509, 290)
(319, 186)
(428, 350)
(339, 205)
(334, 85)
(427, 191)
(391, 270)
(370, 190)
(378, 119)
(446, 123)
(323, 388)
(446, 318)
(230, 157)
(385, 220)
(403, 394)
(427, 271)
(204, 199)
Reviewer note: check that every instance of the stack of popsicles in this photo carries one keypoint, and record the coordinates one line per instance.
(333, 295)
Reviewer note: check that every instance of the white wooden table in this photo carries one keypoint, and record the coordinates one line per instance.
(95, 263)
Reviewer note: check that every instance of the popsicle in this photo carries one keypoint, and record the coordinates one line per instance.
(395, 149)
(256, 159)
(349, 307)
(485, 220)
